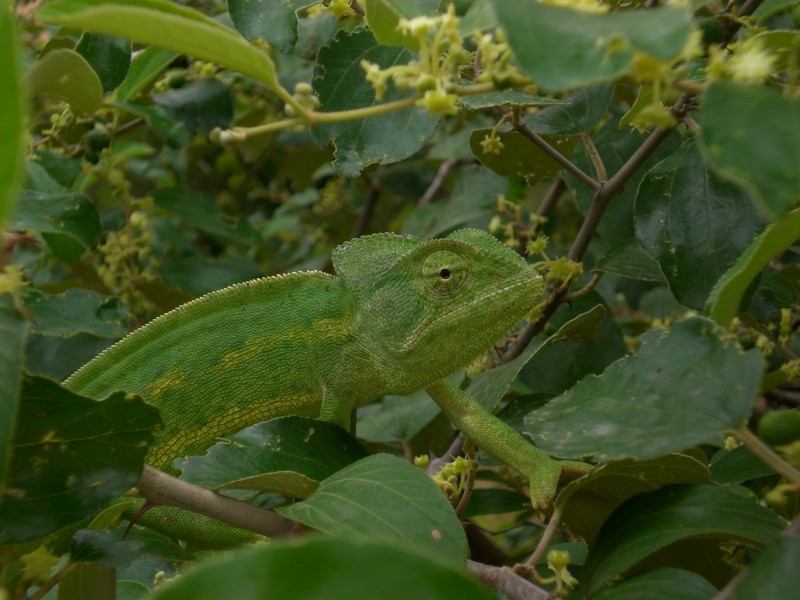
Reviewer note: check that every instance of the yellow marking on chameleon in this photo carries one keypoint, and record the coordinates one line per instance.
(331, 329)
(173, 379)
(187, 442)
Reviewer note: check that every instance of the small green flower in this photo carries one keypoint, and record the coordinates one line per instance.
(491, 144)
(438, 102)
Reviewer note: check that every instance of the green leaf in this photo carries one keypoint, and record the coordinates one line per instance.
(383, 497)
(65, 74)
(578, 114)
(76, 311)
(495, 501)
(770, 124)
(651, 521)
(59, 357)
(71, 456)
(194, 207)
(774, 573)
(12, 118)
(322, 567)
(692, 223)
(726, 296)
(63, 214)
(340, 83)
(103, 548)
(200, 275)
(589, 501)
(400, 418)
(686, 385)
(518, 155)
(383, 17)
(203, 104)
(737, 465)
(12, 331)
(658, 583)
(629, 259)
(166, 25)
(616, 146)
(563, 49)
(144, 70)
(289, 455)
(110, 57)
(161, 119)
(511, 98)
(274, 21)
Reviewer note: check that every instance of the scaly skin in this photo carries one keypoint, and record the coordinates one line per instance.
(400, 315)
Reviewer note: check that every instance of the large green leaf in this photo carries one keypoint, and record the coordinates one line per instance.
(195, 208)
(509, 98)
(340, 83)
(774, 574)
(203, 104)
(71, 456)
(686, 385)
(649, 522)
(590, 500)
(12, 332)
(12, 142)
(144, 70)
(770, 124)
(678, 584)
(726, 296)
(320, 567)
(629, 259)
(65, 74)
(563, 49)
(289, 455)
(518, 155)
(274, 21)
(384, 497)
(400, 418)
(692, 223)
(110, 57)
(167, 25)
(383, 17)
(578, 114)
(76, 311)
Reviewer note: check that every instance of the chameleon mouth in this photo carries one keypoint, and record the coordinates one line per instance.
(421, 331)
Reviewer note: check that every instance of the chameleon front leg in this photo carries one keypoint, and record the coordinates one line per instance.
(503, 442)
(336, 409)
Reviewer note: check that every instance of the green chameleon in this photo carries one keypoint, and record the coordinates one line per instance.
(400, 315)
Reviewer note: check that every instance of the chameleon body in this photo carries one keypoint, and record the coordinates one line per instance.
(400, 315)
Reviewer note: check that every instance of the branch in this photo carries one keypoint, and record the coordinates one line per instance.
(365, 215)
(438, 181)
(163, 489)
(508, 582)
(551, 196)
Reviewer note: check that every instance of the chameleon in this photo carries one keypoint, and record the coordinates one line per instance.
(401, 314)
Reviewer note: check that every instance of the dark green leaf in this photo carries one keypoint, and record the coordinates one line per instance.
(591, 48)
(495, 501)
(629, 259)
(289, 455)
(692, 223)
(144, 70)
(339, 81)
(60, 168)
(383, 17)
(68, 215)
(321, 567)
(651, 521)
(579, 114)
(686, 385)
(660, 583)
(203, 104)
(737, 465)
(161, 119)
(384, 497)
(518, 155)
(274, 21)
(725, 298)
(12, 118)
(110, 57)
(77, 311)
(199, 275)
(65, 74)
(194, 207)
(513, 98)
(71, 456)
(615, 146)
(167, 25)
(103, 548)
(400, 418)
(590, 500)
(58, 357)
(732, 113)
(12, 331)
(774, 574)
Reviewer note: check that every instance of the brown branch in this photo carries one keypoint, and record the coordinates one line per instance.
(551, 196)
(438, 181)
(357, 8)
(163, 489)
(508, 582)
(731, 27)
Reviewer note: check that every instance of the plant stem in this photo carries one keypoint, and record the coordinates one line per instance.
(551, 196)
(544, 541)
(53, 581)
(438, 181)
(594, 156)
(766, 454)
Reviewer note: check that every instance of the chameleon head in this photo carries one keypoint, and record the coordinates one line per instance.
(434, 306)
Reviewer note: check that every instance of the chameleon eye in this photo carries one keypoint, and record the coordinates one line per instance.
(443, 272)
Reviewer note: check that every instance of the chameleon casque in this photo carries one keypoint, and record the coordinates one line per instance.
(400, 315)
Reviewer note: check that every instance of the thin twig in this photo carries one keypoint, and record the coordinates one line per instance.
(365, 215)
(544, 541)
(731, 27)
(551, 196)
(562, 160)
(508, 582)
(594, 156)
(438, 181)
(596, 277)
(53, 581)
(467, 494)
(163, 489)
(357, 8)
(766, 454)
